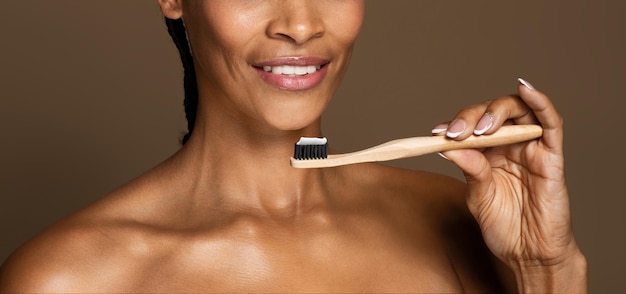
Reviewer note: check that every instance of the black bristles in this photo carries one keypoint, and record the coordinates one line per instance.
(313, 151)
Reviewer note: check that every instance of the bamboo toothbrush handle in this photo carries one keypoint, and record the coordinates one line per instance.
(416, 146)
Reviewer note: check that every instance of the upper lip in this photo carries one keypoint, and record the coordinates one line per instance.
(294, 61)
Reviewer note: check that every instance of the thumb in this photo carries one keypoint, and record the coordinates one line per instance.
(477, 171)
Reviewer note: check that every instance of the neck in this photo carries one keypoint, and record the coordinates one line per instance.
(248, 169)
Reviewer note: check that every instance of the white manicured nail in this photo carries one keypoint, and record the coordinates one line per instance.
(440, 128)
(525, 83)
(484, 124)
(456, 128)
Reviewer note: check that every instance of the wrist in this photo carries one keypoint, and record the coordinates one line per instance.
(567, 276)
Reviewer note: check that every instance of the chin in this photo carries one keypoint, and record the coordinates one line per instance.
(294, 119)
(293, 113)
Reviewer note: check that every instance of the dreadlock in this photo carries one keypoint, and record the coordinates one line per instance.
(176, 29)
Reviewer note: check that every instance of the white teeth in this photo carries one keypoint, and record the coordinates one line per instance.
(292, 70)
(277, 70)
(288, 70)
(301, 70)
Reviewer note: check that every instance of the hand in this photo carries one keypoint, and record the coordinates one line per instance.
(517, 193)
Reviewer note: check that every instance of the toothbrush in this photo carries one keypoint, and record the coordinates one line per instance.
(313, 152)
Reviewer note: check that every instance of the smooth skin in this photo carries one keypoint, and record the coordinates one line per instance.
(228, 214)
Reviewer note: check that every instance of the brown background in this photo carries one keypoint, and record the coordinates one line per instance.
(90, 96)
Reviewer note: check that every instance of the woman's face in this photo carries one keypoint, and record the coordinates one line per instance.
(271, 62)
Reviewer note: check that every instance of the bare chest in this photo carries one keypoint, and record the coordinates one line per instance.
(328, 263)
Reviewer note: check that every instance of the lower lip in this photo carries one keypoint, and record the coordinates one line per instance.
(294, 83)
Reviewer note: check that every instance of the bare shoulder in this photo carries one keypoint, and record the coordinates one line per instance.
(57, 260)
(83, 252)
(413, 197)
(438, 202)
(418, 187)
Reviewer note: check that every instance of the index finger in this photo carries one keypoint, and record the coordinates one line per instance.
(545, 112)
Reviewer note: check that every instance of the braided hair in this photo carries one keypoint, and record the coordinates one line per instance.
(176, 29)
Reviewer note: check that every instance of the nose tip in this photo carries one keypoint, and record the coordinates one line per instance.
(300, 34)
(297, 24)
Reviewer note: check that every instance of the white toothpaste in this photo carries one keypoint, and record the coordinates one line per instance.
(312, 141)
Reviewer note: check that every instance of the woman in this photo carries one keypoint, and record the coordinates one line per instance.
(228, 214)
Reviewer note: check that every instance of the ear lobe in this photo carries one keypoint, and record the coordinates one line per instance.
(172, 9)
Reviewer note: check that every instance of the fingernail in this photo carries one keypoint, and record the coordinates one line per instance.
(443, 156)
(456, 128)
(440, 128)
(484, 124)
(525, 83)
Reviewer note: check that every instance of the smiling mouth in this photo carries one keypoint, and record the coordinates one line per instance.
(291, 70)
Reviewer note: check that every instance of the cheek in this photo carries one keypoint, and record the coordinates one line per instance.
(223, 25)
(346, 22)
(231, 31)
(220, 37)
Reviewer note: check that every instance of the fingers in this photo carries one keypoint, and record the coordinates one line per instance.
(546, 115)
(475, 167)
(487, 117)
(529, 107)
